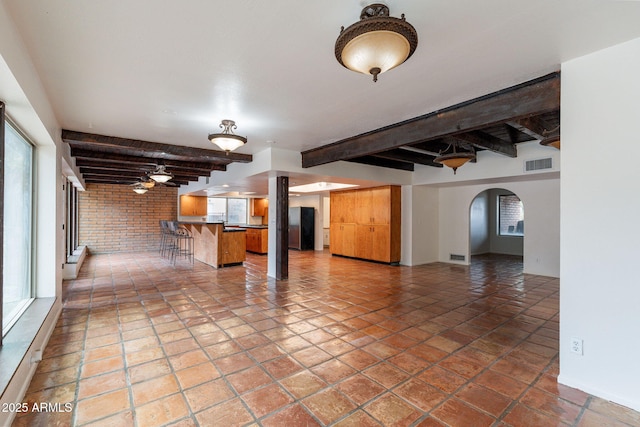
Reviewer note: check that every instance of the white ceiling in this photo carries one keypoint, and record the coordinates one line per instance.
(170, 71)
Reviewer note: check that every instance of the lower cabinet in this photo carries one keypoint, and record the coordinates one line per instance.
(232, 248)
(373, 242)
(257, 240)
(343, 239)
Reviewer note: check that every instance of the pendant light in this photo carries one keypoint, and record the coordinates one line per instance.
(160, 174)
(227, 140)
(377, 43)
(453, 158)
(140, 189)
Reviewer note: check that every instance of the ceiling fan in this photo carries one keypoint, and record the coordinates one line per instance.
(159, 176)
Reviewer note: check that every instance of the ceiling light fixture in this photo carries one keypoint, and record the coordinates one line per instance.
(148, 184)
(140, 189)
(160, 174)
(453, 158)
(227, 140)
(377, 43)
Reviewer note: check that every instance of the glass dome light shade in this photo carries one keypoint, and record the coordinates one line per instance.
(376, 49)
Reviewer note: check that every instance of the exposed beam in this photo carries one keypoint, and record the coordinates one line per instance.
(374, 161)
(150, 149)
(87, 165)
(535, 97)
(92, 157)
(532, 126)
(488, 142)
(537, 129)
(118, 180)
(408, 156)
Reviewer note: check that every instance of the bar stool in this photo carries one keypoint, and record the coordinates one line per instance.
(182, 242)
(165, 237)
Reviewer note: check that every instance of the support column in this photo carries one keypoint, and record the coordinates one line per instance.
(282, 228)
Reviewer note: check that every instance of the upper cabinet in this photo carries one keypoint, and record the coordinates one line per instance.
(259, 207)
(342, 205)
(373, 205)
(193, 205)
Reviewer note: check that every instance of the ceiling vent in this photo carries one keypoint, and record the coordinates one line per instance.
(538, 164)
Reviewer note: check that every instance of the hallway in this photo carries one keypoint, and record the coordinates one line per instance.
(341, 342)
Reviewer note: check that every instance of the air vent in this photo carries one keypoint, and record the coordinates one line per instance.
(454, 257)
(538, 164)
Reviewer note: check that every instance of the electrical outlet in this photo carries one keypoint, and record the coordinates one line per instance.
(576, 346)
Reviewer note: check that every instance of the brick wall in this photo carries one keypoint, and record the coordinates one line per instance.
(112, 218)
(510, 214)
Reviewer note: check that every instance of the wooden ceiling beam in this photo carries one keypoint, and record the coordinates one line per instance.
(408, 156)
(89, 157)
(131, 174)
(149, 149)
(528, 99)
(140, 170)
(375, 161)
(532, 126)
(488, 142)
(119, 180)
(537, 129)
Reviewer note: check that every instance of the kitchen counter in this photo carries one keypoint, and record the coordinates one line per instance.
(216, 245)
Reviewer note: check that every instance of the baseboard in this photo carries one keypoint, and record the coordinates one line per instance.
(611, 397)
(74, 263)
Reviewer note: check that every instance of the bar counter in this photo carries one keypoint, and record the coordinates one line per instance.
(216, 246)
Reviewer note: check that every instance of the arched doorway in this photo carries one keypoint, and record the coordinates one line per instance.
(496, 223)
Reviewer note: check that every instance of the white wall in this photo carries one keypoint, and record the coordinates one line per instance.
(29, 108)
(541, 199)
(479, 225)
(600, 288)
(419, 230)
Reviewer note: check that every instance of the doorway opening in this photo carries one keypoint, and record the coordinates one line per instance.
(496, 226)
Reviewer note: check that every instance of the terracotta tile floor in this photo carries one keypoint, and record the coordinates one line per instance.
(342, 342)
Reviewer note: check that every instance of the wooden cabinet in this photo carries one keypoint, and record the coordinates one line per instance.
(259, 207)
(373, 206)
(341, 207)
(233, 248)
(373, 231)
(193, 205)
(342, 239)
(373, 242)
(257, 240)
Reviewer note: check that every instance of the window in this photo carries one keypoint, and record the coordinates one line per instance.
(510, 216)
(237, 211)
(231, 211)
(16, 238)
(71, 218)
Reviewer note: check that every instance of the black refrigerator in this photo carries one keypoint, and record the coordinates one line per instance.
(301, 232)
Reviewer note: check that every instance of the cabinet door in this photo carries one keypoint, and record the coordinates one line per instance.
(336, 238)
(364, 241)
(342, 206)
(186, 205)
(381, 243)
(349, 240)
(363, 207)
(380, 205)
(200, 206)
(258, 206)
(342, 239)
(193, 205)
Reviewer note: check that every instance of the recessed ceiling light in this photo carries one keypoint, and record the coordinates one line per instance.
(319, 186)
